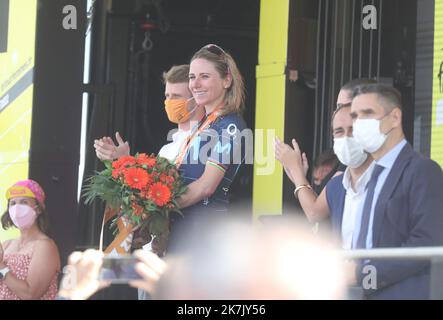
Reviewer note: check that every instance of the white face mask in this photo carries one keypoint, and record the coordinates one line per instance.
(349, 152)
(367, 133)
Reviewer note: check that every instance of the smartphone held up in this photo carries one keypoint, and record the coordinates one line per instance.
(119, 269)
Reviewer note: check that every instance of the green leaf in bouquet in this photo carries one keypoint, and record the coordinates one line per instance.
(106, 173)
(115, 203)
(150, 207)
(96, 187)
(108, 164)
(162, 164)
(136, 219)
(92, 189)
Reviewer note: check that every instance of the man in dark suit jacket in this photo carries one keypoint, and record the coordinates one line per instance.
(404, 207)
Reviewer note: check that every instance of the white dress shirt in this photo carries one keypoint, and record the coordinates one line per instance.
(170, 151)
(353, 204)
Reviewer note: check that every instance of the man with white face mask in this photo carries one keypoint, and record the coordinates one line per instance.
(403, 205)
(341, 198)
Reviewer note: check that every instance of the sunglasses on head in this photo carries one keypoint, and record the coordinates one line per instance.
(219, 52)
(215, 49)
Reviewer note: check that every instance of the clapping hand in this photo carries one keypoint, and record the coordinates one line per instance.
(106, 149)
(291, 158)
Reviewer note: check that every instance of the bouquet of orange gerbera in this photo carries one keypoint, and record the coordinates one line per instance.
(141, 188)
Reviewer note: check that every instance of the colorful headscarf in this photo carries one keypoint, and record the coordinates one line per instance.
(27, 188)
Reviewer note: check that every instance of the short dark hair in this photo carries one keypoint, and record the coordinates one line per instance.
(342, 106)
(390, 96)
(326, 158)
(351, 85)
(42, 220)
(177, 74)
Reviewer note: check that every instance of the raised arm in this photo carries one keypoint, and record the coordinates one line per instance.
(295, 164)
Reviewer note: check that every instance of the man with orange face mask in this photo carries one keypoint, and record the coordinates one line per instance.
(180, 108)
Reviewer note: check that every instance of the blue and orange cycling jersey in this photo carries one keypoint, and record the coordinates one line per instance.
(220, 145)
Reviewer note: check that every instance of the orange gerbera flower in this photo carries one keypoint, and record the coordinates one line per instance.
(144, 159)
(159, 193)
(136, 178)
(124, 162)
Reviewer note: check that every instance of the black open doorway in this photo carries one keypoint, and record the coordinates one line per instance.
(329, 45)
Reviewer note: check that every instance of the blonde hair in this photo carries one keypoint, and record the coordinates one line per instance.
(177, 74)
(225, 66)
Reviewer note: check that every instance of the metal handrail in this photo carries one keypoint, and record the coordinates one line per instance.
(434, 254)
(394, 253)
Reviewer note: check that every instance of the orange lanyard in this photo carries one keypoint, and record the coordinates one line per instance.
(185, 147)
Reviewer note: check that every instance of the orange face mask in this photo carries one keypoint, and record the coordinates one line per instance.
(177, 110)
